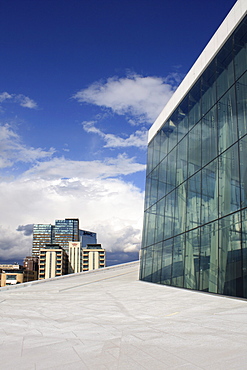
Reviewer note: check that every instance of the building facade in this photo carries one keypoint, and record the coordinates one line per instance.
(42, 234)
(61, 233)
(12, 274)
(75, 257)
(65, 231)
(93, 257)
(195, 219)
(53, 261)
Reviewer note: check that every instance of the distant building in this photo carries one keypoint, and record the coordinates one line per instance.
(93, 257)
(10, 266)
(63, 232)
(42, 234)
(87, 237)
(53, 261)
(15, 274)
(74, 257)
(31, 263)
(31, 267)
(66, 231)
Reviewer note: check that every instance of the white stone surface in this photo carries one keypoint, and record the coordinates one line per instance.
(227, 27)
(108, 319)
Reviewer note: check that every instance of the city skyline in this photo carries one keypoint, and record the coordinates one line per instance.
(81, 85)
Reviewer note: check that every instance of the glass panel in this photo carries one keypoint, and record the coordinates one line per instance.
(162, 186)
(243, 170)
(210, 193)
(169, 215)
(225, 68)
(229, 189)
(147, 192)
(151, 217)
(194, 150)
(208, 88)
(178, 261)
(163, 145)
(173, 132)
(154, 186)
(180, 209)
(156, 151)
(194, 104)
(150, 157)
(230, 268)
(166, 269)
(244, 251)
(193, 217)
(157, 259)
(191, 265)
(240, 50)
(209, 136)
(241, 88)
(182, 160)
(147, 273)
(227, 123)
(159, 227)
(171, 168)
(208, 279)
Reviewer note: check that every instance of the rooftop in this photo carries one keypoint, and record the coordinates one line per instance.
(108, 319)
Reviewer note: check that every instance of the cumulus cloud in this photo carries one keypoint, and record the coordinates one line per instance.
(140, 98)
(109, 206)
(13, 150)
(137, 139)
(22, 100)
(13, 245)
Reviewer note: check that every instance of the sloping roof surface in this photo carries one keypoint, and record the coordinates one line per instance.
(108, 319)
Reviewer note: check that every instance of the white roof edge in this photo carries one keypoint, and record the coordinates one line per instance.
(227, 27)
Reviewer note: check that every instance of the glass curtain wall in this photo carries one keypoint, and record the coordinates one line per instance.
(195, 224)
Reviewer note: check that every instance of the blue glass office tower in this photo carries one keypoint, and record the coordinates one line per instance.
(42, 234)
(65, 231)
(195, 220)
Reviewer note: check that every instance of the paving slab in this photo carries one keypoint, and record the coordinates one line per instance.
(108, 319)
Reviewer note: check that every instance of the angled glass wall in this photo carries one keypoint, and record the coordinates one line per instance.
(195, 221)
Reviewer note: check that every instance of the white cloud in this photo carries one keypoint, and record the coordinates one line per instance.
(13, 245)
(22, 100)
(25, 101)
(137, 139)
(12, 150)
(63, 168)
(141, 98)
(5, 96)
(109, 206)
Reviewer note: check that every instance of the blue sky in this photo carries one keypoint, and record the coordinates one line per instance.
(81, 82)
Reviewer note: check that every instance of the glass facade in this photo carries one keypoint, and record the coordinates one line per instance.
(195, 220)
(65, 231)
(42, 234)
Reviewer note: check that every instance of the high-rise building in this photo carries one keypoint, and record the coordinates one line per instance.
(66, 231)
(195, 221)
(93, 257)
(42, 234)
(87, 237)
(61, 233)
(53, 261)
